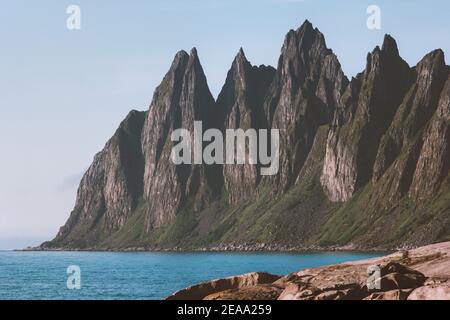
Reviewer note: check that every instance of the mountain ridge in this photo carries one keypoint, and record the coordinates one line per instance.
(364, 163)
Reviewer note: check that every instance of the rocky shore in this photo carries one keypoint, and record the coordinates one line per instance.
(231, 247)
(417, 274)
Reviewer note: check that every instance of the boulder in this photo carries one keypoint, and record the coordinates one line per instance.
(352, 291)
(198, 292)
(397, 276)
(390, 295)
(259, 292)
(432, 292)
(299, 291)
(307, 291)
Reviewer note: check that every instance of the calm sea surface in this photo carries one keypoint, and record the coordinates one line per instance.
(43, 275)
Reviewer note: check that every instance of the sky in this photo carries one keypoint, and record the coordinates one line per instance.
(64, 92)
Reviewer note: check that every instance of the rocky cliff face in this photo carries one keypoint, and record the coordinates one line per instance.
(403, 143)
(241, 101)
(304, 95)
(110, 189)
(182, 98)
(364, 114)
(434, 161)
(363, 164)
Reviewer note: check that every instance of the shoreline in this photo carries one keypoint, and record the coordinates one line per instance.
(260, 248)
(417, 274)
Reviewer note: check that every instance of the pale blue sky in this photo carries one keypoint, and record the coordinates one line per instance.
(63, 93)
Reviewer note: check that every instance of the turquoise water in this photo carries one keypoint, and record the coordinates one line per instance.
(42, 275)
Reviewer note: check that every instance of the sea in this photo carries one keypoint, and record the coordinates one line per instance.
(138, 276)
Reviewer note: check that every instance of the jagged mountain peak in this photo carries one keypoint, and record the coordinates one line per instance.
(387, 62)
(194, 52)
(181, 57)
(241, 105)
(388, 53)
(306, 25)
(305, 38)
(240, 59)
(243, 76)
(307, 28)
(194, 59)
(302, 54)
(335, 136)
(434, 59)
(390, 45)
(305, 93)
(241, 53)
(184, 60)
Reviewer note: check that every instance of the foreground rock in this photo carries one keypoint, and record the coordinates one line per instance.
(218, 286)
(418, 274)
(431, 292)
